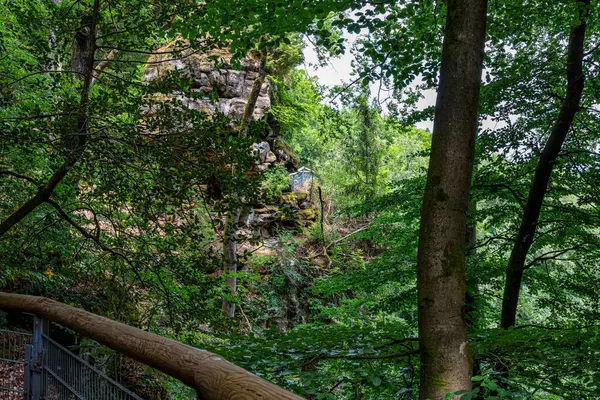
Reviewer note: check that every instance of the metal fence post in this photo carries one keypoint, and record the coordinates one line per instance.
(27, 373)
(40, 326)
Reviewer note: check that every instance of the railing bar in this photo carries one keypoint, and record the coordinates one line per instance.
(16, 332)
(65, 384)
(80, 384)
(5, 389)
(11, 352)
(71, 372)
(69, 353)
(12, 361)
(27, 371)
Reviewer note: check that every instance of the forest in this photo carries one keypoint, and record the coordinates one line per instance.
(177, 166)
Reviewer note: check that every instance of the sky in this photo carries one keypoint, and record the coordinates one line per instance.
(339, 71)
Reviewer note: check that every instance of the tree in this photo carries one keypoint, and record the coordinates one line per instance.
(441, 280)
(363, 147)
(84, 121)
(543, 171)
(75, 137)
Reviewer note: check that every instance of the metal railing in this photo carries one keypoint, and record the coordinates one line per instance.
(35, 367)
(13, 348)
(66, 376)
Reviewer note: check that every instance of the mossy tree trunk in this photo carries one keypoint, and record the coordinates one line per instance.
(441, 279)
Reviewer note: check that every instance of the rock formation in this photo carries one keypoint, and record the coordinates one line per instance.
(219, 88)
(211, 72)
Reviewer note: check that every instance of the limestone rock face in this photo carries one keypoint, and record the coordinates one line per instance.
(216, 86)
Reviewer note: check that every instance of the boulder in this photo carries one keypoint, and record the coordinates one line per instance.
(308, 214)
(261, 151)
(271, 158)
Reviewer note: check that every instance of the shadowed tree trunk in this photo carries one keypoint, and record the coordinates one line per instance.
(539, 185)
(473, 288)
(230, 257)
(441, 280)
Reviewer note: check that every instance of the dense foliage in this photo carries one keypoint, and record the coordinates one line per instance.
(328, 310)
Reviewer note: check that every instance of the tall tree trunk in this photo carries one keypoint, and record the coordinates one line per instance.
(233, 216)
(230, 257)
(441, 280)
(367, 164)
(539, 185)
(83, 64)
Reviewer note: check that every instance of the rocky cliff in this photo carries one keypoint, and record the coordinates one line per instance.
(219, 88)
(211, 73)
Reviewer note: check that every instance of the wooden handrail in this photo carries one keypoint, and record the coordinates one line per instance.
(212, 376)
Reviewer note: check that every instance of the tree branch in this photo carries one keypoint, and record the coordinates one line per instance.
(39, 116)
(361, 356)
(347, 236)
(552, 255)
(102, 64)
(17, 175)
(41, 73)
(145, 52)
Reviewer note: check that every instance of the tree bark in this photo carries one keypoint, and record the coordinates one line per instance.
(547, 159)
(441, 279)
(213, 377)
(83, 63)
